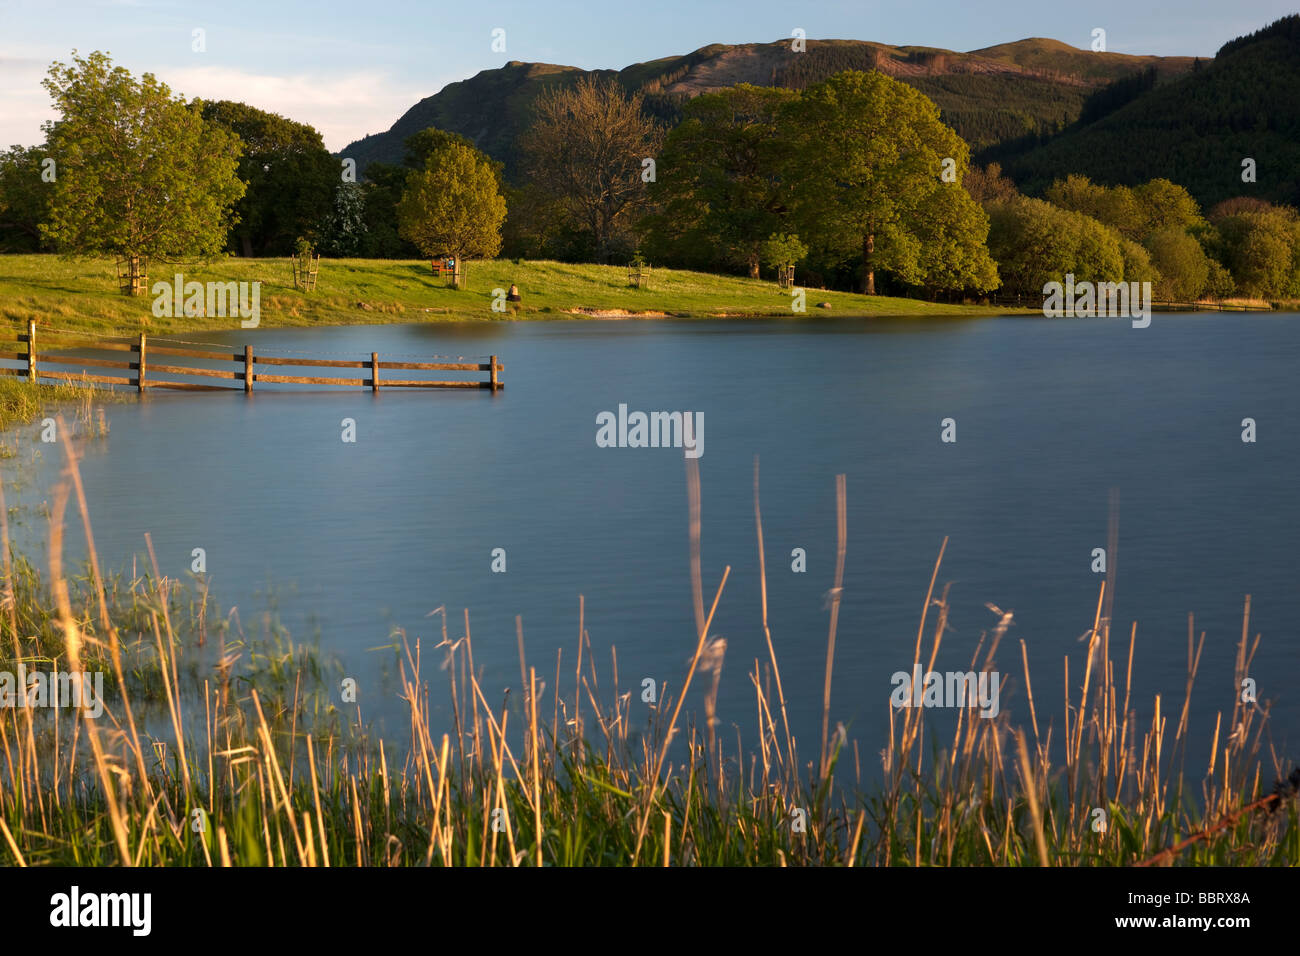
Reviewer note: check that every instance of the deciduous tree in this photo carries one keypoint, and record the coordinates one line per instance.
(453, 206)
(140, 172)
(719, 187)
(587, 146)
(1035, 242)
(24, 198)
(289, 175)
(1183, 265)
(876, 178)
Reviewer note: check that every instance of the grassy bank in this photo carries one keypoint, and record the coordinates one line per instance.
(255, 755)
(22, 403)
(82, 294)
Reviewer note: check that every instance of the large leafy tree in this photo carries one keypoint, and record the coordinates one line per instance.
(953, 253)
(1035, 243)
(453, 206)
(291, 178)
(586, 147)
(1261, 247)
(718, 182)
(139, 171)
(866, 170)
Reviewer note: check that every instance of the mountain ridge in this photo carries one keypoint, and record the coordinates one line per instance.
(1031, 86)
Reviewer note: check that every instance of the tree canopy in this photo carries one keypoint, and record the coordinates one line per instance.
(867, 162)
(719, 183)
(24, 198)
(1261, 247)
(139, 171)
(453, 206)
(587, 148)
(1035, 243)
(289, 175)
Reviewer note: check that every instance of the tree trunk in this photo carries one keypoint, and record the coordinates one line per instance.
(247, 242)
(868, 272)
(600, 234)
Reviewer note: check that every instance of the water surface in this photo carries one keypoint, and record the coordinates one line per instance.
(358, 539)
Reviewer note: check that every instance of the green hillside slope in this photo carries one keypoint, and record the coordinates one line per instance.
(1196, 130)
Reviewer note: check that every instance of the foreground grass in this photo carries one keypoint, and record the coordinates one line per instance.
(257, 758)
(22, 402)
(82, 294)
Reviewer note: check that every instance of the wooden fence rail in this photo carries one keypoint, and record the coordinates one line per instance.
(139, 360)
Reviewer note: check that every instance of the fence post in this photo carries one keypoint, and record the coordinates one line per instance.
(31, 350)
(493, 365)
(248, 368)
(139, 380)
(374, 371)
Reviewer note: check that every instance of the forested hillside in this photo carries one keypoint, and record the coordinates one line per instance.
(1197, 131)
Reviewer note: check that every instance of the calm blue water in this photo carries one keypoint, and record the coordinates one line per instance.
(356, 539)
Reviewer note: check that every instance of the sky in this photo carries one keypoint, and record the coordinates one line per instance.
(350, 68)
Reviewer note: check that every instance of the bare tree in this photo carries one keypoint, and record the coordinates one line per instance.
(587, 147)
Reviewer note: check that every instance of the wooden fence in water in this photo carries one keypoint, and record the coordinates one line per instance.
(66, 350)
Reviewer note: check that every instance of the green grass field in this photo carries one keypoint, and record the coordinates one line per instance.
(82, 294)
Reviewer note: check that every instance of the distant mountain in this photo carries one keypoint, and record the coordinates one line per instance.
(1016, 91)
(1196, 130)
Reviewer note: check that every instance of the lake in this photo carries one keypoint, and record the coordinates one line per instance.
(348, 541)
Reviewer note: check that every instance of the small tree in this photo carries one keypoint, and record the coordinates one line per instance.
(781, 252)
(638, 270)
(343, 233)
(306, 263)
(453, 206)
(139, 172)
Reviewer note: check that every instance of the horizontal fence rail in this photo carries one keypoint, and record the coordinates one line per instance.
(141, 371)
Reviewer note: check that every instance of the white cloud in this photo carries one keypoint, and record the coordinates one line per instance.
(26, 104)
(342, 106)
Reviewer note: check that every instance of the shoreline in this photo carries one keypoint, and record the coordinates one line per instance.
(81, 295)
